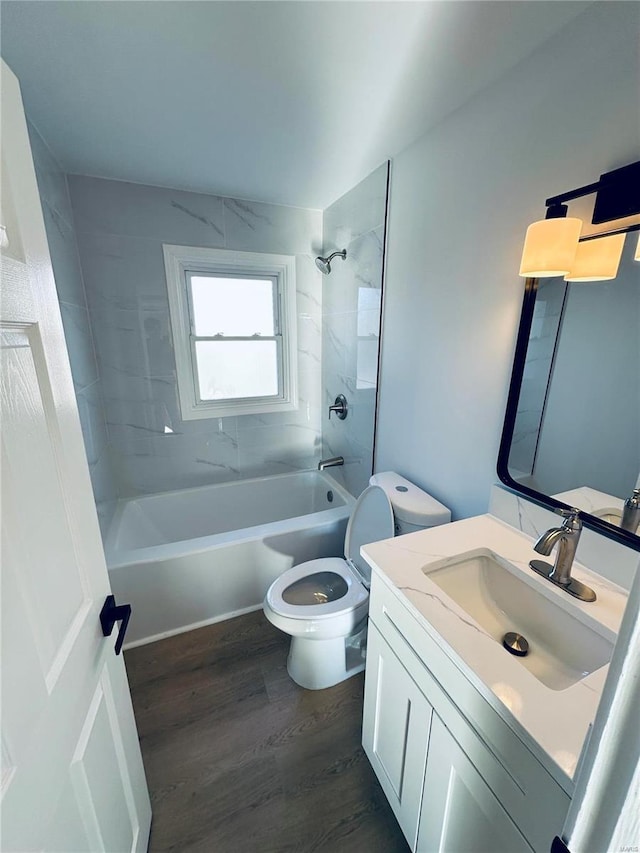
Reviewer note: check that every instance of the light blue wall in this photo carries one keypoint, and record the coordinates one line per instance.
(351, 298)
(121, 228)
(461, 199)
(58, 219)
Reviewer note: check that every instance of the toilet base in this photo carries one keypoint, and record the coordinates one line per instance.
(317, 664)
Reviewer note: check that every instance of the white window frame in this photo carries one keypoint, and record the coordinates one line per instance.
(179, 262)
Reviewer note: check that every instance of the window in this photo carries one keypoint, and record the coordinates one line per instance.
(233, 319)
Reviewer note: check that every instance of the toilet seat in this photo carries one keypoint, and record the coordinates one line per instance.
(370, 521)
(328, 639)
(356, 594)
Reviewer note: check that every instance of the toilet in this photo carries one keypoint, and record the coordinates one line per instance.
(323, 604)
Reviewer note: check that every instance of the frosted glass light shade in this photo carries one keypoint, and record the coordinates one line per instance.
(597, 260)
(636, 257)
(550, 247)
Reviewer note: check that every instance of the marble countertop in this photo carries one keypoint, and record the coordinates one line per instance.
(552, 723)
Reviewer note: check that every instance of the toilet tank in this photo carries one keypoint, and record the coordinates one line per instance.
(413, 509)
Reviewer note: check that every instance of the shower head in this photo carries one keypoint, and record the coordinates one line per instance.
(324, 264)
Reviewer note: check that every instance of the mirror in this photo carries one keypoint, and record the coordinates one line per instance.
(572, 428)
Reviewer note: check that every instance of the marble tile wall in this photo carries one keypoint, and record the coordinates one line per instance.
(121, 228)
(58, 220)
(351, 308)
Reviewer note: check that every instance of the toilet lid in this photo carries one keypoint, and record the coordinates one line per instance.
(371, 521)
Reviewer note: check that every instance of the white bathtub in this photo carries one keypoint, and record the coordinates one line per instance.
(188, 558)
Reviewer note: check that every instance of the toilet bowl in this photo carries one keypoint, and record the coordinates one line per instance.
(323, 604)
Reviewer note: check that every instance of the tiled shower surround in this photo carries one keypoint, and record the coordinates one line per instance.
(351, 308)
(120, 230)
(106, 241)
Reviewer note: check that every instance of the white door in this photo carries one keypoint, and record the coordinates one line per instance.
(395, 731)
(460, 813)
(72, 776)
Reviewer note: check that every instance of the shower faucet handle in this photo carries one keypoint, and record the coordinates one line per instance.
(340, 407)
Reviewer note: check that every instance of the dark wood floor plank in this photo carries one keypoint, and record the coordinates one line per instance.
(239, 759)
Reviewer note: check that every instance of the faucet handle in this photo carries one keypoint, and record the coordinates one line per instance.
(572, 520)
(340, 407)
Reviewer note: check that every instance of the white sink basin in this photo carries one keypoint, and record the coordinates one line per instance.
(562, 649)
(610, 514)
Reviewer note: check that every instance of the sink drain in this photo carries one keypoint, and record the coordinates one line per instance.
(516, 644)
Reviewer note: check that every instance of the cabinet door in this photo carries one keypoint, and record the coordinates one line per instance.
(460, 813)
(395, 732)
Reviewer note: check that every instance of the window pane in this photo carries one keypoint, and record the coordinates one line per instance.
(232, 369)
(236, 307)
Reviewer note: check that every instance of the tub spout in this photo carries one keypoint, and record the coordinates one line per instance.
(330, 463)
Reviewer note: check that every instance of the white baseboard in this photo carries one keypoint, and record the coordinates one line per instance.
(184, 628)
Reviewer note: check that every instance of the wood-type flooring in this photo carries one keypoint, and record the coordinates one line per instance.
(239, 759)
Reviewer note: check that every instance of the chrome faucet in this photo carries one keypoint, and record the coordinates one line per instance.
(631, 512)
(566, 538)
(330, 463)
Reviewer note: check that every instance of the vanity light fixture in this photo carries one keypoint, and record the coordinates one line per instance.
(597, 259)
(551, 245)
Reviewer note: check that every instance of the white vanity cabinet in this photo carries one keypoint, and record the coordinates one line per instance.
(456, 775)
(460, 813)
(395, 732)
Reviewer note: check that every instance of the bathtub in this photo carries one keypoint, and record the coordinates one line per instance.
(188, 558)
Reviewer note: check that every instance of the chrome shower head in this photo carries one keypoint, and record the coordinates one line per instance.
(324, 264)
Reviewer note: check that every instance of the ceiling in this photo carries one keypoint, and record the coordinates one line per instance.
(288, 102)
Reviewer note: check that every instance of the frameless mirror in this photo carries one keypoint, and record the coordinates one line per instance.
(572, 429)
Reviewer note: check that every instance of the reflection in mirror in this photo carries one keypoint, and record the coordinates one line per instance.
(369, 307)
(577, 429)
